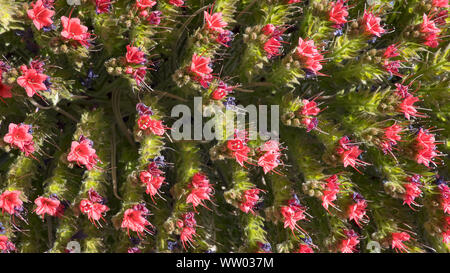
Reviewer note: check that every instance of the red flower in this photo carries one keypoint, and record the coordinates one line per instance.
(143, 4)
(391, 51)
(350, 153)
(440, 3)
(201, 190)
(357, 211)
(407, 107)
(272, 47)
(372, 24)
(200, 65)
(135, 55)
(155, 17)
(6, 246)
(83, 153)
(222, 91)
(178, 3)
(153, 182)
(41, 16)
(428, 26)
(349, 244)
(307, 52)
(294, 1)
(392, 67)
(93, 210)
(102, 6)
(397, 241)
(5, 91)
(20, 136)
(390, 137)
(48, 206)
(31, 80)
(187, 225)
(215, 22)
(304, 248)
(445, 197)
(426, 148)
(156, 127)
(338, 12)
(412, 192)
(309, 108)
(249, 200)
(134, 219)
(432, 40)
(268, 29)
(292, 213)
(10, 201)
(239, 150)
(74, 30)
(330, 192)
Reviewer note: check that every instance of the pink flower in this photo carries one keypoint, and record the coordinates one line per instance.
(6, 246)
(249, 199)
(445, 197)
(349, 244)
(20, 136)
(372, 24)
(304, 248)
(268, 29)
(74, 30)
(153, 182)
(31, 80)
(10, 201)
(178, 3)
(350, 153)
(407, 107)
(391, 52)
(440, 3)
(201, 190)
(390, 137)
(309, 108)
(338, 12)
(201, 67)
(48, 206)
(41, 16)
(187, 225)
(102, 6)
(412, 191)
(135, 55)
(215, 22)
(426, 148)
(292, 213)
(307, 52)
(93, 210)
(397, 241)
(428, 26)
(357, 211)
(134, 219)
(143, 4)
(272, 47)
(155, 17)
(156, 127)
(83, 153)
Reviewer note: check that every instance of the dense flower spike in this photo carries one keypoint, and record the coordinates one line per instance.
(83, 153)
(10, 202)
(40, 14)
(20, 136)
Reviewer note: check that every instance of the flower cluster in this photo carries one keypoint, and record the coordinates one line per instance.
(11, 202)
(83, 153)
(103, 6)
(271, 156)
(135, 63)
(33, 79)
(187, 224)
(390, 137)
(445, 197)
(20, 136)
(94, 206)
(330, 192)
(51, 206)
(397, 241)
(430, 31)
(134, 219)
(6, 246)
(249, 200)
(372, 24)
(221, 91)
(146, 123)
(309, 56)
(5, 90)
(272, 46)
(425, 147)
(392, 66)
(338, 13)
(308, 112)
(75, 32)
(153, 177)
(412, 190)
(200, 189)
(349, 153)
(446, 232)
(201, 69)
(41, 13)
(348, 245)
(292, 213)
(406, 106)
(357, 210)
(238, 147)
